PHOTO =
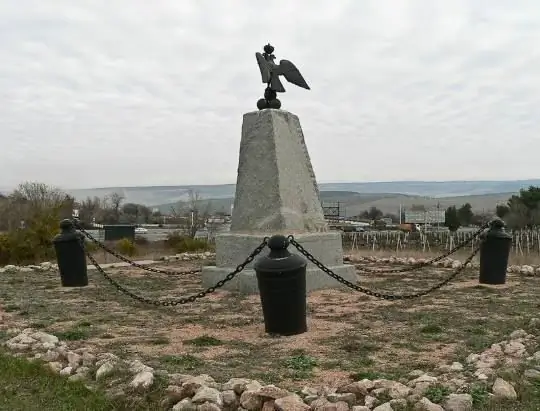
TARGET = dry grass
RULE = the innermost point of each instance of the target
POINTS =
(350, 335)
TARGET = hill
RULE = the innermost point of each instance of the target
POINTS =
(354, 197)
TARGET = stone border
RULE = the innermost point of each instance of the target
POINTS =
(203, 393)
(527, 270)
(48, 266)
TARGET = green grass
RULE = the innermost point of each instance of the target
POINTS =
(30, 386)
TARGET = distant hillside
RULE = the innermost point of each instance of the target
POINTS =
(159, 195)
(354, 203)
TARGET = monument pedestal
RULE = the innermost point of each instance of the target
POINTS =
(233, 248)
(276, 193)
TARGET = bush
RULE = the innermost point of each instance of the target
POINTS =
(126, 247)
(28, 246)
(182, 243)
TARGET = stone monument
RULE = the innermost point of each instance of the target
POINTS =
(276, 193)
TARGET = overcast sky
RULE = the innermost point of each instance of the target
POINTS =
(108, 93)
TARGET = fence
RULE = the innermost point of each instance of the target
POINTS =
(524, 242)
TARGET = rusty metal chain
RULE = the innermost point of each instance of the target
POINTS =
(127, 260)
(418, 266)
(183, 300)
(377, 294)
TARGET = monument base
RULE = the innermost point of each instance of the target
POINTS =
(233, 248)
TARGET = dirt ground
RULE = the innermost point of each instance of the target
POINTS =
(350, 334)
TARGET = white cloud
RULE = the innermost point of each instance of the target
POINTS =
(142, 93)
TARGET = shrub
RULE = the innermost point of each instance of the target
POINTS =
(126, 246)
(182, 243)
(28, 246)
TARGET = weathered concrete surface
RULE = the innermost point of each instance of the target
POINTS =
(233, 248)
(276, 189)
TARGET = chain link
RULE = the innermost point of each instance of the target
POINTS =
(424, 264)
(183, 300)
(127, 260)
(377, 294)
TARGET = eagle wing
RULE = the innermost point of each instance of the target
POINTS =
(291, 73)
(263, 66)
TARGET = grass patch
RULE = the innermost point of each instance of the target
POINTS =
(204, 341)
(31, 387)
(74, 334)
(436, 393)
(300, 364)
(185, 361)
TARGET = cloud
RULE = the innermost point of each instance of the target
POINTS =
(146, 93)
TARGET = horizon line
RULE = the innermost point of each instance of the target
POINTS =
(321, 182)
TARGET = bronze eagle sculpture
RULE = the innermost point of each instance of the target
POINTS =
(270, 73)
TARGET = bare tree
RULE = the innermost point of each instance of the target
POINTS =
(116, 202)
(194, 212)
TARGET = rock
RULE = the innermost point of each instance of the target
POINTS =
(207, 394)
(185, 405)
(88, 360)
(348, 397)
(360, 408)
(458, 402)
(143, 380)
(238, 385)
(309, 391)
(250, 400)
(383, 407)
(335, 406)
(503, 389)
(290, 403)
(44, 337)
(456, 366)
(273, 392)
(56, 366)
(518, 334)
(370, 401)
(359, 388)
(174, 394)
(50, 356)
(192, 385)
(515, 349)
(136, 366)
(230, 400)
(398, 390)
(268, 405)
(104, 370)
(208, 406)
(426, 405)
(66, 371)
(532, 374)
(74, 360)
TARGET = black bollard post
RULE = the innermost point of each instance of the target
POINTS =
(494, 254)
(70, 256)
(281, 277)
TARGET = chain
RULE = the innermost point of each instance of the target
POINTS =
(418, 266)
(183, 300)
(377, 294)
(126, 260)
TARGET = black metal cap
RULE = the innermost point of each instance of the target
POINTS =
(66, 225)
(497, 222)
(278, 242)
(497, 229)
(279, 259)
